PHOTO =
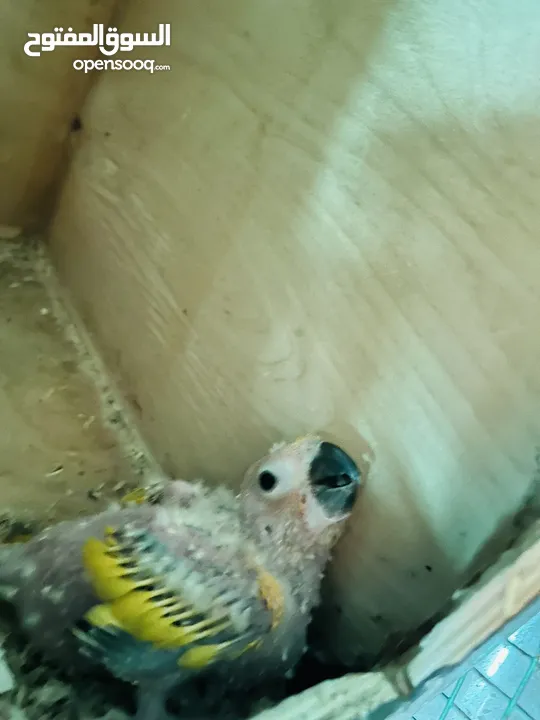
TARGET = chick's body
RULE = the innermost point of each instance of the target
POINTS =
(204, 582)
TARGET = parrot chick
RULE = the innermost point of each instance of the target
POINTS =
(205, 582)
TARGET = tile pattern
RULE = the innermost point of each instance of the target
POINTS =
(504, 684)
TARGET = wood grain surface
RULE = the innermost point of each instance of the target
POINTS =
(325, 216)
(39, 98)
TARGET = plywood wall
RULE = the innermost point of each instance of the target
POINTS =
(39, 97)
(326, 215)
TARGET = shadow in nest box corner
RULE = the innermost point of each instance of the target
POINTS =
(314, 668)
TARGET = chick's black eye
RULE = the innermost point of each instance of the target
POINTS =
(267, 481)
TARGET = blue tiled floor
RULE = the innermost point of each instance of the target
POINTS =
(502, 685)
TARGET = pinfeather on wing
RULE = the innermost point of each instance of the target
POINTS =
(153, 611)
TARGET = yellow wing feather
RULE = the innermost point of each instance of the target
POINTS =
(132, 603)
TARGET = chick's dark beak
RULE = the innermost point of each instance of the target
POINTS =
(335, 479)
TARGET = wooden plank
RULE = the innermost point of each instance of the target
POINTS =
(65, 447)
(325, 216)
(40, 97)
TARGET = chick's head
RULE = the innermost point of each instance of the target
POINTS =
(302, 491)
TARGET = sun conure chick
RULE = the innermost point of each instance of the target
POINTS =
(205, 582)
